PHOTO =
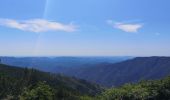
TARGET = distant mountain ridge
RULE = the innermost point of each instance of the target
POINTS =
(101, 70)
(133, 70)
(53, 64)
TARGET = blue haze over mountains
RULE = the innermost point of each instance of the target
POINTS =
(58, 64)
(105, 71)
(129, 71)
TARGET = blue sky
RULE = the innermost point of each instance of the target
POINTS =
(84, 28)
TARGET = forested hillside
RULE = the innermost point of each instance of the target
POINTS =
(145, 90)
(30, 84)
(130, 71)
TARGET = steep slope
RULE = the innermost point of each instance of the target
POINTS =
(140, 68)
(16, 79)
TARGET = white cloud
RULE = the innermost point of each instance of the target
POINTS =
(37, 25)
(127, 27)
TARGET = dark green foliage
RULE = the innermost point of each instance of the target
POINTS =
(30, 84)
(39, 92)
(146, 90)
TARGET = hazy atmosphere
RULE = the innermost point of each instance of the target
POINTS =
(84, 28)
(84, 50)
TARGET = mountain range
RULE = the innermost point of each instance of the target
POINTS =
(53, 64)
(106, 71)
(129, 71)
(140, 78)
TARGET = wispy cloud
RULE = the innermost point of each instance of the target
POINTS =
(37, 25)
(126, 27)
